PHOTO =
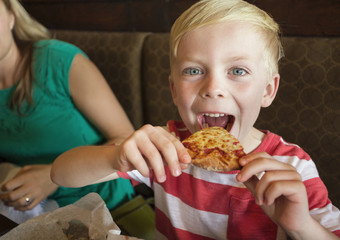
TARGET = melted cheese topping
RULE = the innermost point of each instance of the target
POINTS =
(214, 148)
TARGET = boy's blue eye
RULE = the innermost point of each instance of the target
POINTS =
(192, 71)
(238, 71)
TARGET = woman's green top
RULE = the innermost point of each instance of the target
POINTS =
(53, 124)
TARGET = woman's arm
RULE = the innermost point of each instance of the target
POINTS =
(95, 99)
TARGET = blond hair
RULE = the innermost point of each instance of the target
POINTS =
(207, 12)
(26, 31)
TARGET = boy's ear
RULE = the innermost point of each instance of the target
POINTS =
(270, 90)
(173, 90)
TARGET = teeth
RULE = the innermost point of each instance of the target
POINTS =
(214, 114)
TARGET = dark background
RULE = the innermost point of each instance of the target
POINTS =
(296, 17)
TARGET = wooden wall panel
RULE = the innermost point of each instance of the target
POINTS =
(296, 17)
(304, 17)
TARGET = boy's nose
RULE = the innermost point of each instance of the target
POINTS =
(212, 88)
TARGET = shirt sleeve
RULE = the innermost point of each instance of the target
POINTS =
(320, 206)
(52, 63)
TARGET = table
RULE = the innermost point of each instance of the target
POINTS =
(6, 225)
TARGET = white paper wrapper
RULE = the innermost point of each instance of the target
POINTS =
(88, 218)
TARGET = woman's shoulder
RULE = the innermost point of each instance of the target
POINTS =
(54, 58)
(57, 46)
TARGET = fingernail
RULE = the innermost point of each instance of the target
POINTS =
(177, 172)
(186, 158)
(239, 177)
(243, 161)
(162, 179)
(184, 165)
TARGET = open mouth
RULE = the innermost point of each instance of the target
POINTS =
(216, 119)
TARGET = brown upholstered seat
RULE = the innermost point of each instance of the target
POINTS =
(118, 56)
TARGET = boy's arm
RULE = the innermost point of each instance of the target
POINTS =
(281, 195)
(83, 166)
(148, 147)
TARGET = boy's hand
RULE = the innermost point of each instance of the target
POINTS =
(152, 147)
(280, 192)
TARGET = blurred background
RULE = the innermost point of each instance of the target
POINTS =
(296, 17)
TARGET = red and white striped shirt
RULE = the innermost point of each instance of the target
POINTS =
(201, 204)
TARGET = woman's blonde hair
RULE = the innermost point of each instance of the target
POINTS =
(26, 31)
(207, 12)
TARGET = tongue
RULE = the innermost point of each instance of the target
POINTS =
(216, 121)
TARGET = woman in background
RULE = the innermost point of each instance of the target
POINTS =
(52, 99)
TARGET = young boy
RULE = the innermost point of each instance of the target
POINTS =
(224, 68)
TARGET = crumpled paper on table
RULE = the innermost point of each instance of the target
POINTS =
(88, 218)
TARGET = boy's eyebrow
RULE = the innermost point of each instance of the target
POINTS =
(189, 59)
(198, 59)
(238, 58)
(193, 59)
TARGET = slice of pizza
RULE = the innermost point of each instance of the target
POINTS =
(214, 149)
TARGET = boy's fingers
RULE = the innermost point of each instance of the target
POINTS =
(169, 147)
(135, 158)
(184, 165)
(153, 147)
(253, 156)
(251, 184)
(262, 165)
(142, 152)
(290, 189)
(182, 152)
(184, 156)
(172, 150)
(155, 161)
(270, 178)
